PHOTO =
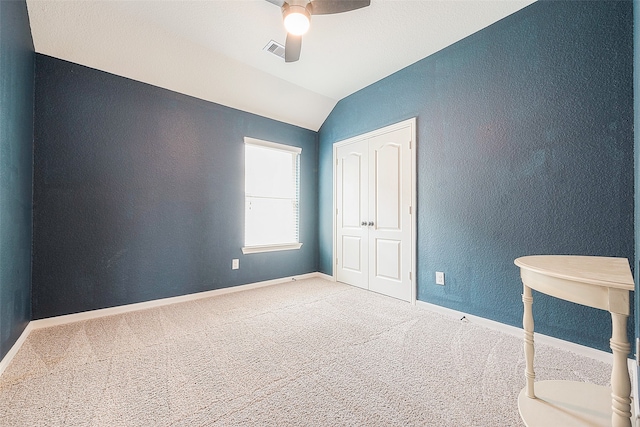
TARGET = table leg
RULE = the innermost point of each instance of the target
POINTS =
(620, 381)
(527, 323)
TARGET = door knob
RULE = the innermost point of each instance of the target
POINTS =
(364, 223)
(370, 223)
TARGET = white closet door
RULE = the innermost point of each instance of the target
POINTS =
(389, 210)
(373, 218)
(352, 206)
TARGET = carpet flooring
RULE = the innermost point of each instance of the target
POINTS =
(304, 353)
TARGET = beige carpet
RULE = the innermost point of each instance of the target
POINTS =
(305, 353)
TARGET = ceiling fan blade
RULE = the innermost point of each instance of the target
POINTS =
(278, 3)
(326, 7)
(292, 48)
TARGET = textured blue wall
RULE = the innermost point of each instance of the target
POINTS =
(16, 153)
(636, 150)
(525, 146)
(139, 193)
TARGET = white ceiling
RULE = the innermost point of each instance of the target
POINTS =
(213, 49)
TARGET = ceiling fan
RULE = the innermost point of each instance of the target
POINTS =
(297, 18)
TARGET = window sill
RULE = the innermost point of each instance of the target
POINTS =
(270, 248)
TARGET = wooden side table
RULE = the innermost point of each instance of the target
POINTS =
(598, 282)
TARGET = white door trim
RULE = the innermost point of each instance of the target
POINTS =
(414, 195)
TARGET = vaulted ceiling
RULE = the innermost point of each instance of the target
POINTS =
(214, 49)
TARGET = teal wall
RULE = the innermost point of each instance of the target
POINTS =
(16, 148)
(636, 150)
(525, 146)
(139, 193)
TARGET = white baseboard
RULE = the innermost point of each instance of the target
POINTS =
(14, 349)
(582, 350)
(501, 327)
(325, 277)
(94, 314)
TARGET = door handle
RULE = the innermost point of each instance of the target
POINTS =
(370, 223)
(364, 223)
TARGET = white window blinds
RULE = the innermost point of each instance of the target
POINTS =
(271, 196)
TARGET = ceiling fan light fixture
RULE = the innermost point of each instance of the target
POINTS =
(297, 19)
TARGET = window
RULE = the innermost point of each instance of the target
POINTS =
(271, 174)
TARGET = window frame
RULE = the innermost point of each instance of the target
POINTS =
(279, 246)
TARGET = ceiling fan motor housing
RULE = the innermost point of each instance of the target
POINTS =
(297, 18)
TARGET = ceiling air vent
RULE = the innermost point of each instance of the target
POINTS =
(276, 48)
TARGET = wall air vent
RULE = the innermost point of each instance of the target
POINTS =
(276, 48)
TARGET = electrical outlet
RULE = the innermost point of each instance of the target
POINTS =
(439, 278)
(235, 264)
